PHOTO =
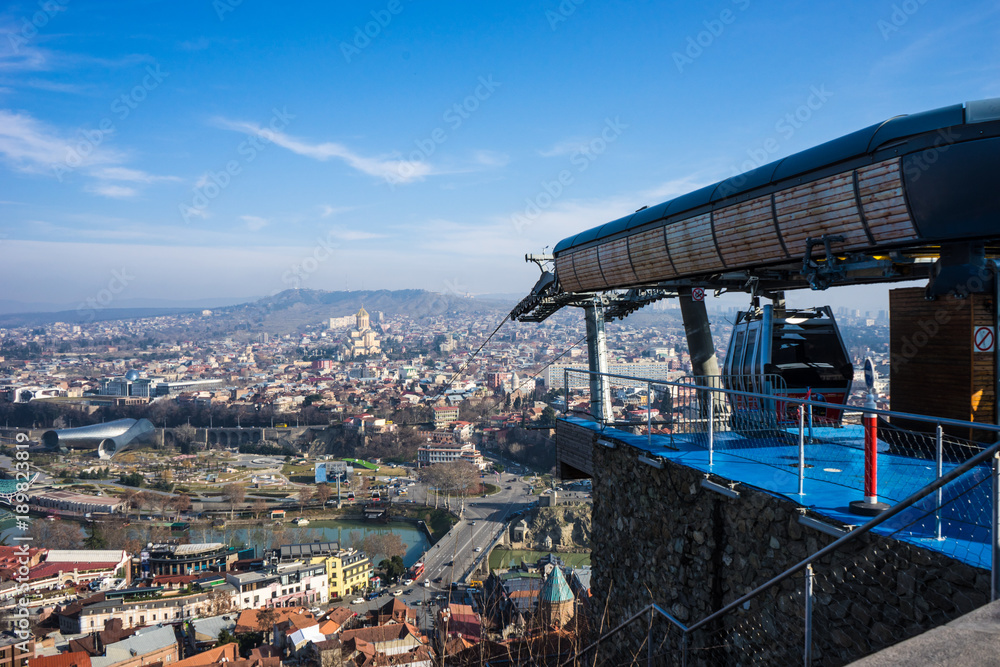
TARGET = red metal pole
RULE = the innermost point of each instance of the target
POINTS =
(870, 506)
(871, 457)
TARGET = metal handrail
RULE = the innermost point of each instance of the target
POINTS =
(860, 530)
(914, 498)
(990, 452)
(944, 421)
(651, 607)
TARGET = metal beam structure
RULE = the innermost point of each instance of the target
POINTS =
(597, 360)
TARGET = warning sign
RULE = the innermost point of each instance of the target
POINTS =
(697, 294)
(984, 339)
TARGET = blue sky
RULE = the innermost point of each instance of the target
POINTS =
(231, 148)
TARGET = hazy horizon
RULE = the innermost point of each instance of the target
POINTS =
(195, 152)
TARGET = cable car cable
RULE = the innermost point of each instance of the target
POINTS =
(473, 355)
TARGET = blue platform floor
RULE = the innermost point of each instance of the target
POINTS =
(834, 477)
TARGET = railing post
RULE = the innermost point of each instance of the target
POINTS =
(566, 391)
(802, 451)
(807, 655)
(939, 493)
(684, 648)
(995, 527)
(649, 640)
(711, 425)
(810, 423)
(649, 414)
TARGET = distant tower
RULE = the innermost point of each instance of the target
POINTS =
(555, 601)
(363, 319)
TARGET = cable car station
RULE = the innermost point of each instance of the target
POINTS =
(911, 199)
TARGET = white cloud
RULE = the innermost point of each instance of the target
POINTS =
(30, 146)
(254, 222)
(112, 191)
(199, 44)
(126, 174)
(565, 147)
(326, 210)
(491, 158)
(354, 235)
(389, 168)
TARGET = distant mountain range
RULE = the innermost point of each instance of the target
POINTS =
(280, 313)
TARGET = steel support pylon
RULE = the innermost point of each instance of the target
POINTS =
(597, 360)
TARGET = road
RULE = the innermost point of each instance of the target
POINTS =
(454, 554)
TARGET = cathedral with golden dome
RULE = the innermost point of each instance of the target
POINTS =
(362, 341)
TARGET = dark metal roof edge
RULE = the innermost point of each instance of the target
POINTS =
(805, 177)
(742, 195)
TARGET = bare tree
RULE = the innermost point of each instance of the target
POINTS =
(131, 499)
(458, 478)
(259, 507)
(180, 504)
(265, 621)
(143, 499)
(56, 534)
(185, 434)
(234, 494)
(387, 544)
(322, 493)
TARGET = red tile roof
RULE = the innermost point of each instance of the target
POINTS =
(46, 570)
(76, 659)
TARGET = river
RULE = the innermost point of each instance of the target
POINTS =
(347, 533)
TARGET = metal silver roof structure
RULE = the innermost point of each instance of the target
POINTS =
(108, 438)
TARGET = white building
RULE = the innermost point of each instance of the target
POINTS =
(432, 454)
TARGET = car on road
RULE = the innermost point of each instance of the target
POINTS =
(397, 592)
(437, 580)
(418, 603)
(426, 584)
(407, 582)
(408, 591)
(478, 549)
(449, 563)
(358, 601)
(473, 523)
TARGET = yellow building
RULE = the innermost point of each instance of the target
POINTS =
(348, 571)
(351, 572)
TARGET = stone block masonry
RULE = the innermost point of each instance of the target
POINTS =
(658, 536)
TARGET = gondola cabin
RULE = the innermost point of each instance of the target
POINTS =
(802, 348)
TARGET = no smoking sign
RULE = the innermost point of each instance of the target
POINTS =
(984, 339)
(697, 294)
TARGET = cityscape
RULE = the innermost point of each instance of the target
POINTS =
(549, 333)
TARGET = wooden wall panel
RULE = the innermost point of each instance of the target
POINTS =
(746, 233)
(692, 246)
(983, 367)
(935, 368)
(588, 269)
(567, 276)
(574, 450)
(826, 206)
(881, 189)
(649, 255)
(615, 262)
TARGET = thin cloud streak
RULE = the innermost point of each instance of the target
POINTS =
(396, 170)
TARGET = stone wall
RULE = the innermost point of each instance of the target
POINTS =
(658, 536)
